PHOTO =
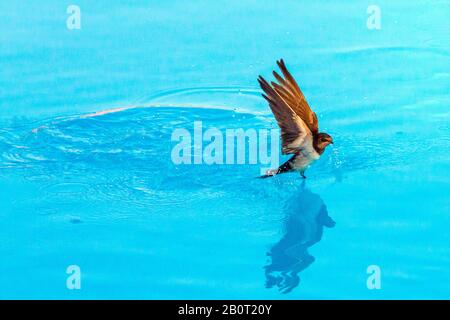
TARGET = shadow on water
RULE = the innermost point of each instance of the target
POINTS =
(305, 217)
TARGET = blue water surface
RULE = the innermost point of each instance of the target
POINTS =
(100, 190)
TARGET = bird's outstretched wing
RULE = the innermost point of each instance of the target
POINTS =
(288, 89)
(295, 134)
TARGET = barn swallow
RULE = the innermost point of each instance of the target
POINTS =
(299, 126)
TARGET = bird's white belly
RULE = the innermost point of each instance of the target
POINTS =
(304, 159)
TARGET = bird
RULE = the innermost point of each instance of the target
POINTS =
(299, 126)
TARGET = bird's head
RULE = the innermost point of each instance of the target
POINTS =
(323, 140)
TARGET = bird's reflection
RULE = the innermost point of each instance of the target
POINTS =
(306, 216)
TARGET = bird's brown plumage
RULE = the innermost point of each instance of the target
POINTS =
(298, 123)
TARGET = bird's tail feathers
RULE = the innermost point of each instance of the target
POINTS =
(270, 173)
(285, 167)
